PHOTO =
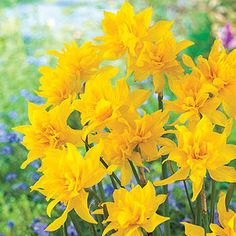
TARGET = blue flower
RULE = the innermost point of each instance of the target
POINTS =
(12, 114)
(7, 150)
(10, 224)
(10, 176)
(108, 190)
(20, 186)
(35, 164)
(39, 228)
(71, 231)
(35, 176)
(13, 137)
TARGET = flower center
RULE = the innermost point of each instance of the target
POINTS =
(103, 109)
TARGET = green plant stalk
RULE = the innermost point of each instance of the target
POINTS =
(101, 190)
(198, 211)
(189, 200)
(204, 210)
(164, 176)
(213, 199)
(74, 218)
(165, 204)
(65, 229)
(229, 194)
(135, 173)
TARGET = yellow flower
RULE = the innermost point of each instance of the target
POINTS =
(48, 130)
(66, 175)
(227, 220)
(195, 98)
(102, 104)
(137, 141)
(200, 150)
(126, 31)
(219, 70)
(131, 211)
(75, 66)
(157, 59)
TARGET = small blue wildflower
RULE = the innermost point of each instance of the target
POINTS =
(10, 176)
(20, 186)
(39, 228)
(12, 114)
(7, 150)
(108, 190)
(13, 137)
(38, 197)
(10, 224)
(35, 164)
(71, 231)
(35, 176)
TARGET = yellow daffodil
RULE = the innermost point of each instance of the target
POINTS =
(75, 66)
(66, 175)
(126, 31)
(195, 98)
(48, 130)
(138, 141)
(133, 210)
(157, 59)
(102, 104)
(200, 150)
(227, 219)
(219, 70)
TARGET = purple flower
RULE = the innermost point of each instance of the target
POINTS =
(71, 230)
(12, 137)
(20, 186)
(35, 176)
(10, 176)
(35, 164)
(10, 224)
(39, 228)
(7, 150)
(227, 36)
(108, 190)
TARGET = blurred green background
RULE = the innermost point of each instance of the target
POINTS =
(28, 29)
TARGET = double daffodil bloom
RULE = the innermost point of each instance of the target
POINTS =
(219, 70)
(102, 104)
(133, 210)
(125, 31)
(138, 141)
(200, 150)
(48, 129)
(75, 66)
(195, 98)
(227, 219)
(66, 175)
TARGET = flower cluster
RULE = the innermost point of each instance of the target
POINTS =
(117, 140)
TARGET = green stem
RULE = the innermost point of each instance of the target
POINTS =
(91, 190)
(74, 218)
(198, 211)
(204, 210)
(65, 229)
(213, 199)
(113, 175)
(93, 230)
(101, 190)
(165, 204)
(135, 172)
(229, 194)
(189, 200)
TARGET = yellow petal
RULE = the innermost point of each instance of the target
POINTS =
(193, 230)
(80, 205)
(223, 174)
(56, 224)
(188, 61)
(181, 174)
(153, 222)
(50, 206)
(126, 173)
(158, 82)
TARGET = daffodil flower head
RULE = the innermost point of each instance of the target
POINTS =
(131, 211)
(66, 176)
(199, 150)
(48, 129)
